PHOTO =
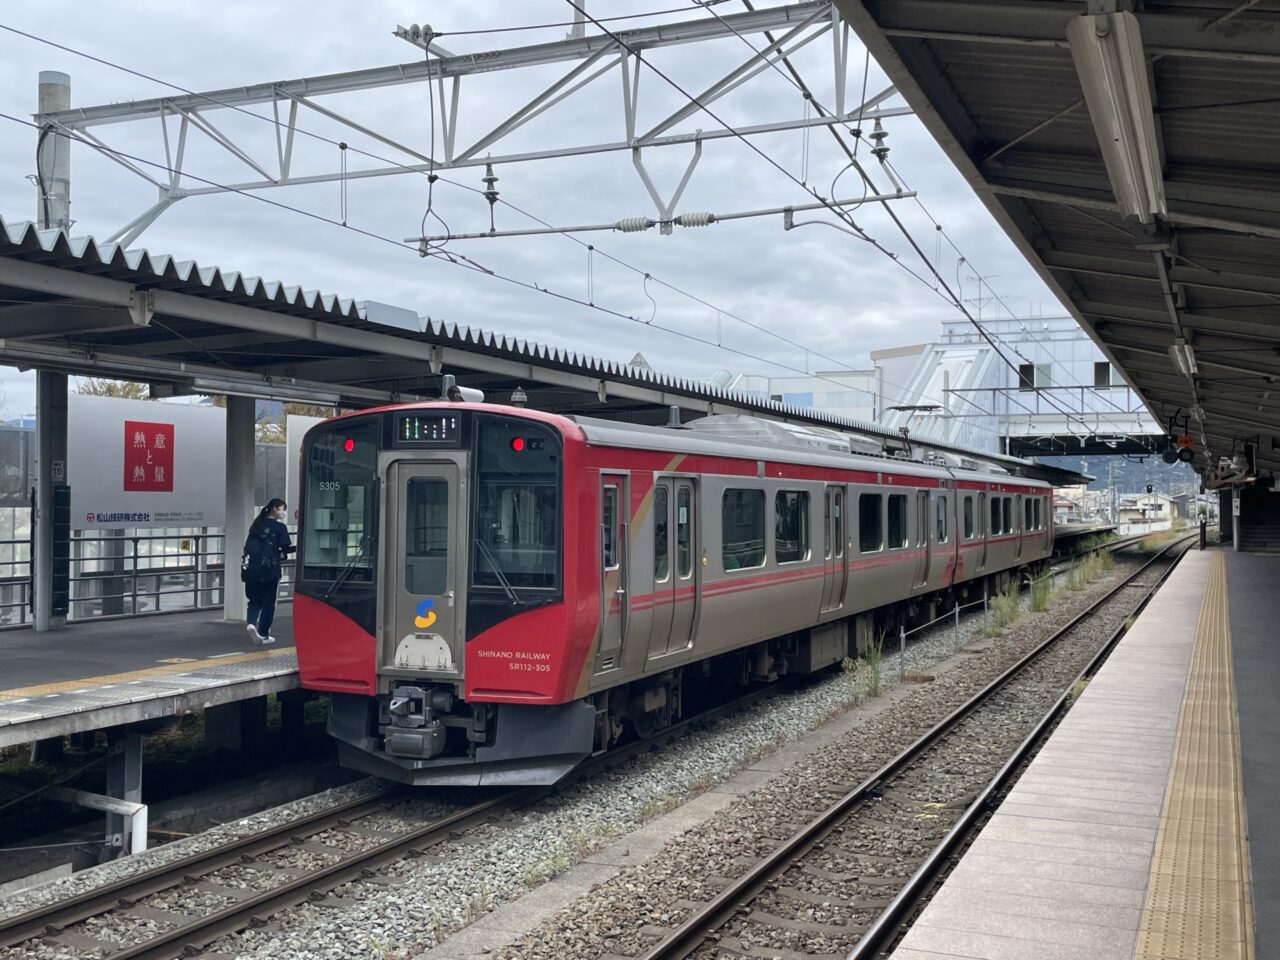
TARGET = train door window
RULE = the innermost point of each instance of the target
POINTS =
(1039, 515)
(897, 520)
(995, 516)
(610, 524)
(968, 518)
(1008, 514)
(826, 525)
(791, 526)
(870, 527)
(837, 508)
(684, 533)
(427, 537)
(661, 524)
(742, 529)
(1028, 513)
(940, 508)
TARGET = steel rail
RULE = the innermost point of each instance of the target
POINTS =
(690, 935)
(101, 899)
(885, 928)
(55, 917)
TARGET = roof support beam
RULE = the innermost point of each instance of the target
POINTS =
(1095, 200)
(560, 51)
(1045, 25)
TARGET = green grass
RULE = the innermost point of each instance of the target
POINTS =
(1005, 609)
(1041, 594)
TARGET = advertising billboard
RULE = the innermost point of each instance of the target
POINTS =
(142, 463)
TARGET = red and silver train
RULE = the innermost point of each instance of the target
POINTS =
(490, 594)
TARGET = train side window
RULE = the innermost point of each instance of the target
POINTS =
(897, 520)
(1008, 514)
(870, 529)
(995, 516)
(661, 524)
(1038, 514)
(968, 518)
(742, 529)
(941, 510)
(610, 524)
(684, 533)
(791, 526)
(1028, 513)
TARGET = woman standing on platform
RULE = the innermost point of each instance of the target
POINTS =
(265, 549)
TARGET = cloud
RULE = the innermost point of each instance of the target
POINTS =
(814, 285)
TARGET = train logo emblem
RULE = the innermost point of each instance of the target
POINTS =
(424, 616)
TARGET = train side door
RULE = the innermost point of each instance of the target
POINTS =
(685, 571)
(982, 522)
(1019, 526)
(426, 528)
(835, 539)
(664, 576)
(615, 601)
(922, 537)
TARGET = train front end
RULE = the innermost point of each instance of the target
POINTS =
(434, 603)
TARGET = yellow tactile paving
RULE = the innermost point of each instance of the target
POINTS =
(1199, 903)
(25, 693)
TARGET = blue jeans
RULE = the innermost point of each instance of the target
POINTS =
(262, 604)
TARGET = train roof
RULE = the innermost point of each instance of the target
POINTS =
(731, 435)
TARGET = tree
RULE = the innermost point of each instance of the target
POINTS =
(103, 387)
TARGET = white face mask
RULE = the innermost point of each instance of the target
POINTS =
(279, 513)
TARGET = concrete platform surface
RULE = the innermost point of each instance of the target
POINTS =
(96, 675)
(1124, 839)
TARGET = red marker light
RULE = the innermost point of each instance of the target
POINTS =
(348, 445)
(517, 444)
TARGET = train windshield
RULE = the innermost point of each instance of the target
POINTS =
(517, 505)
(340, 521)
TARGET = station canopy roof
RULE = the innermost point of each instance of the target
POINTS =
(1186, 304)
(73, 305)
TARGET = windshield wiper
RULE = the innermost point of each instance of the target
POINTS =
(502, 578)
(365, 543)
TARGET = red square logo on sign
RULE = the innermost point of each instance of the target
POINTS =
(148, 457)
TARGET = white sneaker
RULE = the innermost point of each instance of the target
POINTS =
(254, 635)
(266, 640)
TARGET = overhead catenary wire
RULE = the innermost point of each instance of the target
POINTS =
(951, 297)
(453, 258)
(458, 259)
(570, 23)
(431, 177)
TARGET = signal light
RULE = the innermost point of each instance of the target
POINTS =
(348, 445)
(517, 444)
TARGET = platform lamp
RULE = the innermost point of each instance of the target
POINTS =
(1111, 64)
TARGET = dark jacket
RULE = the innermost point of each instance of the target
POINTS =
(266, 547)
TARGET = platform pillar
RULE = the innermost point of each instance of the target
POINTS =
(292, 720)
(53, 155)
(239, 726)
(241, 460)
(50, 571)
(124, 779)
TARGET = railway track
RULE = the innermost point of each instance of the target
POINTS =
(183, 907)
(844, 884)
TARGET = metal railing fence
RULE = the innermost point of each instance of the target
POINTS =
(126, 575)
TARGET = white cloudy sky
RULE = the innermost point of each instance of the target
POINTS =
(815, 285)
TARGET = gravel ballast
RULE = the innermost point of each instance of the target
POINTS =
(418, 901)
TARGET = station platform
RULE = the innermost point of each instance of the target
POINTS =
(1145, 827)
(91, 676)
